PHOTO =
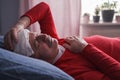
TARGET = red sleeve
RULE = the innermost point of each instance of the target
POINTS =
(42, 14)
(104, 62)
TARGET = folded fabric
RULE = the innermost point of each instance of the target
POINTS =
(23, 46)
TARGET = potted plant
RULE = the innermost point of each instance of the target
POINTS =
(96, 17)
(117, 17)
(108, 10)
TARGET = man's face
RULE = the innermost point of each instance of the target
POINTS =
(43, 45)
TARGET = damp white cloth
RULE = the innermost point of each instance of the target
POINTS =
(23, 46)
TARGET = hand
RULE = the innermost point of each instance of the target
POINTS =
(11, 37)
(75, 44)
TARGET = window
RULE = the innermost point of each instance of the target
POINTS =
(88, 6)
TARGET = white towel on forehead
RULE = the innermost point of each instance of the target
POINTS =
(23, 46)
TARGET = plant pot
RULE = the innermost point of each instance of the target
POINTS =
(86, 19)
(117, 18)
(96, 19)
(107, 15)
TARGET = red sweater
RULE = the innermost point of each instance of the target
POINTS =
(98, 61)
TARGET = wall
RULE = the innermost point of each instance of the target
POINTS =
(8, 14)
(0, 16)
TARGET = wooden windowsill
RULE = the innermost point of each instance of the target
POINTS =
(101, 24)
(110, 29)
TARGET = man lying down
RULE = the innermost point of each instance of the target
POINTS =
(37, 45)
(91, 58)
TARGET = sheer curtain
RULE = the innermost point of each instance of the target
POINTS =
(66, 15)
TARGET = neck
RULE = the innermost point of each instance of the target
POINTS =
(51, 59)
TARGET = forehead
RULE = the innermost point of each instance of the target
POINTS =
(33, 34)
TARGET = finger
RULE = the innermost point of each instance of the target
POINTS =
(15, 36)
(8, 41)
(68, 40)
(11, 47)
(66, 46)
(76, 37)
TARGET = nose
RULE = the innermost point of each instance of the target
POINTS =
(42, 37)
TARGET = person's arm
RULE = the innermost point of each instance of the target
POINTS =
(42, 13)
(100, 59)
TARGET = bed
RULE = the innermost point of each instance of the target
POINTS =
(17, 67)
